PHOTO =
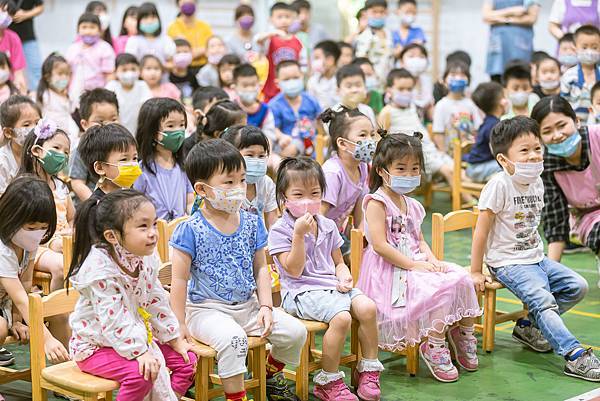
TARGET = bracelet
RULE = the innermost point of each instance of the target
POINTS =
(267, 306)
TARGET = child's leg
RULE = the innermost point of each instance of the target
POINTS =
(52, 262)
(182, 372)
(60, 329)
(334, 340)
(3, 329)
(567, 286)
(365, 311)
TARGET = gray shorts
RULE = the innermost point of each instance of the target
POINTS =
(319, 305)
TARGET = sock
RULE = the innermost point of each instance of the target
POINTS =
(436, 342)
(273, 366)
(369, 365)
(523, 322)
(576, 353)
(241, 396)
(466, 331)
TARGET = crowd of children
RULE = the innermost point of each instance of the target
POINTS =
(166, 123)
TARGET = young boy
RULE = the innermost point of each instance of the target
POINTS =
(408, 33)
(322, 83)
(548, 77)
(507, 239)
(489, 97)
(567, 53)
(96, 107)
(208, 75)
(182, 75)
(282, 45)
(577, 81)
(295, 112)
(374, 96)
(517, 85)
(352, 90)
(375, 42)
(594, 117)
(221, 288)
(130, 90)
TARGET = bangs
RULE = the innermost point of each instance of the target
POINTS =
(250, 137)
(231, 162)
(308, 178)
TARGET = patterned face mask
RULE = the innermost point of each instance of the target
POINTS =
(364, 150)
(127, 259)
(227, 200)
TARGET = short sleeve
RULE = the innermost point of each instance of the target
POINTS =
(9, 266)
(276, 111)
(107, 60)
(270, 201)
(184, 239)
(261, 234)
(338, 241)
(557, 12)
(77, 168)
(189, 189)
(493, 196)
(439, 125)
(280, 239)
(141, 184)
(132, 46)
(333, 187)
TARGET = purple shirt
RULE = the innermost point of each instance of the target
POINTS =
(319, 269)
(167, 189)
(341, 192)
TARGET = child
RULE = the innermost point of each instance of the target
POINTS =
(152, 73)
(11, 44)
(416, 294)
(352, 90)
(241, 41)
(92, 60)
(322, 84)
(122, 306)
(567, 53)
(131, 92)
(408, 33)
(295, 112)
(507, 239)
(96, 107)
(548, 76)
(260, 191)
(160, 134)
(205, 97)
(194, 30)
(317, 284)
(282, 46)
(53, 96)
(128, 29)
(489, 97)
(7, 88)
(455, 116)
(100, 9)
(346, 54)
(374, 96)
(150, 40)
(182, 76)
(45, 155)
(594, 117)
(375, 42)
(223, 315)
(577, 81)
(414, 58)
(18, 115)
(536, 57)
(516, 80)
(225, 68)
(209, 73)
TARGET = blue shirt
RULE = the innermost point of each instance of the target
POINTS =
(257, 119)
(481, 152)
(286, 119)
(222, 265)
(415, 34)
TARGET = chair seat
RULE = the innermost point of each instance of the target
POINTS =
(494, 285)
(42, 275)
(67, 375)
(204, 351)
(312, 326)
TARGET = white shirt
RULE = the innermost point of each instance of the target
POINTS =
(8, 167)
(161, 47)
(514, 238)
(456, 117)
(323, 89)
(264, 200)
(130, 102)
(59, 108)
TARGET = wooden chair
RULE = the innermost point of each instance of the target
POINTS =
(460, 187)
(463, 220)
(357, 243)
(42, 279)
(320, 145)
(64, 378)
(165, 231)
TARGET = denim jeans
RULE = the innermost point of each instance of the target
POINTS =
(34, 63)
(549, 289)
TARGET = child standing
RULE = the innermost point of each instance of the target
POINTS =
(322, 84)
(7, 88)
(123, 328)
(375, 42)
(417, 295)
(11, 45)
(317, 284)
(408, 32)
(159, 136)
(516, 80)
(506, 238)
(152, 73)
(209, 73)
(128, 29)
(225, 245)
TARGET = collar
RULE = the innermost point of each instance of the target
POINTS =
(581, 78)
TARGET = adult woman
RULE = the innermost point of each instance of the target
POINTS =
(192, 29)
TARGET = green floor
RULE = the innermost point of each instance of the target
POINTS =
(510, 373)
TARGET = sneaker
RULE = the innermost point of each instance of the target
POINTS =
(571, 248)
(65, 397)
(6, 357)
(278, 389)
(368, 386)
(586, 367)
(464, 349)
(532, 337)
(439, 363)
(334, 391)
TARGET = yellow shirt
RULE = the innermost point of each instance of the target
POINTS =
(197, 35)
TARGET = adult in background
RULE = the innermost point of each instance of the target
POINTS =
(511, 32)
(568, 15)
(190, 28)
(23, 26)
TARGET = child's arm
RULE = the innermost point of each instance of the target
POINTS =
(424, 247)
(358, 214)
(345, 281)
(293, 261)
(20, 81)
(20, 330)
(82, 191)
(261, 38)
(263, 291)
(270, 219)
(383, 120)
(180, 275)
(482, 230)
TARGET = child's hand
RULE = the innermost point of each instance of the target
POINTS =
(284, 140)
(479, 280)
(423, 266)
(345, 284)
(149, 366)
(20, 332)
(265, 320)
(440, 266)
(304, 224)
(185, 333)
(55, 351)
(182, 347)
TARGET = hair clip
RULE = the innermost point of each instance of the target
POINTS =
(382, 132)
(418, 135)
(45, 128)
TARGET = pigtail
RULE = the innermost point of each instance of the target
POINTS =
(84, 230)
(418, 135)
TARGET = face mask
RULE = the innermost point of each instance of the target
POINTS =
(214, 58)
(568, 60)
(317, 66)
(255, 169)
(415, 65)
(53, 162)
(28, 240)
(227, 200)
(457, 85)
(89, 39)
(352, 100)
(518, 99)
(376, 23)
(549, 85)
(60, 84)
(588, 57)
(149, 27)
(526, 173)
(295, 27)
(20, 135)
(182, 60)
(5, 20)
(364, 150)
(133, 263)
(128, 78)
(407, 19)
(172, 140)
(104, 21)
(4, 76)
(128, 174)
(402, 98)
(248, 97)
(372, 83)
(188, 9)
(403, 185)
(246, 22)
(565, 148)
(292, 87)
(300, 207)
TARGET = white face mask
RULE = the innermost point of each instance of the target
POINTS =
(28, 240)
(526, 173)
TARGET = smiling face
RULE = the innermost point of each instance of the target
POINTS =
(88, 28)
(58, 143)
(556, 127)
(407, 166)
(302, 187)
(526, 148)
(139, 234)
(221, 180)
(359, 129)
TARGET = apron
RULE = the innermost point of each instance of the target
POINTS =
(580, 12)
(582, 189)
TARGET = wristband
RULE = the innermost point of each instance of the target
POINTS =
(267, 306)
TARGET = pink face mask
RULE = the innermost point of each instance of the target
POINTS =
(300, 207)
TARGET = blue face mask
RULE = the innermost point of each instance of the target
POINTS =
(568, 60)
(565, 148)
(255, 169)
(403, 185)
(457, 85)
(149, 27)
(376, 23)
(292, 87)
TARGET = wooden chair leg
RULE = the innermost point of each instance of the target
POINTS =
(302, 370)
(203, 370)
(90, 397)
(108, 396)
(354, 350)
(259, 370)
(480, 303)
(412, 360)
(489, 320)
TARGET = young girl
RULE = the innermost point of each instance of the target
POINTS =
(417, 295)
(317, 284)
(414, 59)
(7, 88)
(123, 328)
(100, 9)
(160, 134)
(347, 171)
(53, 97)
(152, 72)
(128, 29)
(46, 154)
(260, 192)
(215, 50)
(18, 115)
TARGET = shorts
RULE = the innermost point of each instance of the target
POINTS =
(434, 159)
(482, 172)
(319, 305)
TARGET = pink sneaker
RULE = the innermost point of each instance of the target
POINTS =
(368, 386)
(439, 363)
(464, 349)
(334, 391)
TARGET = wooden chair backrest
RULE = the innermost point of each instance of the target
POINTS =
(165, 231)
(453, 221)
(67, 243)
(357, 245)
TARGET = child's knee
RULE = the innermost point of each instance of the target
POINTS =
(543, 301)
(341, 321)
(580, 288)
(365, 309)
(136, 384)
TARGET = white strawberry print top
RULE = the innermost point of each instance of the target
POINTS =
(106, 314)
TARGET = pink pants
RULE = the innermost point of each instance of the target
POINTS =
(107, 363)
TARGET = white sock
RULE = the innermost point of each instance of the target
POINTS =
(369, 365)
(322, 378)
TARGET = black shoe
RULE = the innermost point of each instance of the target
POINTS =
(6, 357)
(571, 248)
(278, 389)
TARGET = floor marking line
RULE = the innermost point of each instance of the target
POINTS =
(573, 311)
(594, 347)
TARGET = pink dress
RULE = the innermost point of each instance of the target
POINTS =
(411, 304)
